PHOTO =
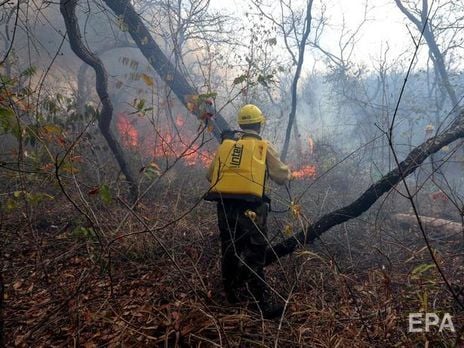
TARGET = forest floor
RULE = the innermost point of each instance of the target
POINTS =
(63, 289)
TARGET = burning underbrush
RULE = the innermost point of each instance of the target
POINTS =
(82, 268)
(151, 276)
(175, 141)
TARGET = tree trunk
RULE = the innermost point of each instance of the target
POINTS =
(157, 59)
(423, 25)
(439, 64)
(413, 161)
(298, 142)
(82, 92)
(294, 91)
(68, 8)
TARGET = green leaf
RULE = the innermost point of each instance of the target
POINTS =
(11, 205)
(239, 79)
(264, 79)
(151, 173)
(7, 119)
(105, 194)
(6, 81)
(121, 24)
(209, 95)
(88, 233)
(29, 72)
(36, 198)
(140, 105)
(422, 268)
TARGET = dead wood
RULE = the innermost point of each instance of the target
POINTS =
(440, 225)
(412, 161)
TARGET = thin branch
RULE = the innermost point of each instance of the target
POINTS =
(13, 36)
(158, 60)
(68, 8)
(413, 161)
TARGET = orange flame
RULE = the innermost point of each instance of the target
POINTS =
(167, 145)
(305, 171)
(164, 145)
(170, 147)
(127, 131)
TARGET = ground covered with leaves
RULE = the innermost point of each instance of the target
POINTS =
(70, 284)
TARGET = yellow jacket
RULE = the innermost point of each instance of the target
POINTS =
(278, 171)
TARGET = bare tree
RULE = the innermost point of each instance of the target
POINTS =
(295, 29)
(8, 39)
(68, 11)
(299, 65)
(158, 60)
(82, 92)
(412, 161)
(9, 46)
(190, 21)
(423, 21)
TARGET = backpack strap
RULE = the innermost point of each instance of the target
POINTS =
(251, 135)
(228, 134)
(237, 134)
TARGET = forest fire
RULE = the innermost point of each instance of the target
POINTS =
(162, 146)
(113, 236)
(128, 133)
(307, 171)
(167, 145)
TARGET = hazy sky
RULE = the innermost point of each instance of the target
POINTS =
(385, 25)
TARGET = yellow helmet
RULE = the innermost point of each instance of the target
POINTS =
(250, 114)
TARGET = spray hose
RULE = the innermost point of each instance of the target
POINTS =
(288, 189)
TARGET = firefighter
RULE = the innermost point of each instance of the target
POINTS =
(238, 176)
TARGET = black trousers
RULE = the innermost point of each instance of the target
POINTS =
(243, 234)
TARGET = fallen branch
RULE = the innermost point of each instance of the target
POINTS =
(441, 225)
(413, 161)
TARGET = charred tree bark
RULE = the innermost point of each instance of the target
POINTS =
(413, 161)
(68, 11)
(434, 51)
(82, 92)
(158, 60)
(294, 92)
